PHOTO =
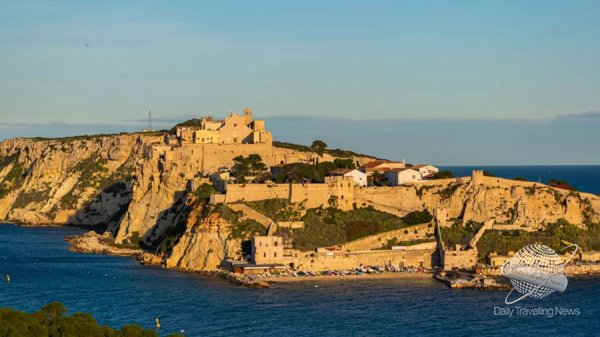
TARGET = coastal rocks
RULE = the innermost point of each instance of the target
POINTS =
(237, 279)
(94, 243)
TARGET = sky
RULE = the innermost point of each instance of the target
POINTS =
(444, 82)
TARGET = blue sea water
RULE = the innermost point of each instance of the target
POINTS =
(119, 291)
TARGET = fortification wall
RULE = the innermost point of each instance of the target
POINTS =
(376, 241)
(407, 258)
(314, 194)
(254, 192)
(460, 258)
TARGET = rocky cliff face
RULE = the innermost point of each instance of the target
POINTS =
(78, 180)
(115, 181)
(522, 205)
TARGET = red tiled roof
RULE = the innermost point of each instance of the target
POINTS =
(419, 166)
(341, 171)
(376, 163)
(564, 187)
(397, 170)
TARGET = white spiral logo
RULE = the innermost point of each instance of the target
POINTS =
(536, 271)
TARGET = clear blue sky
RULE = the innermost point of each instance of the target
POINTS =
(503, 63)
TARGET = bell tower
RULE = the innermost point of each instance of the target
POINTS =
(248, 116)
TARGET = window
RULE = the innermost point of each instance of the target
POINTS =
(260, 244)
(274, 254)
(264, 254)
(275, 243)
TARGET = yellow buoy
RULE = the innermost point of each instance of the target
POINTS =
(7, 278)
(157, 324)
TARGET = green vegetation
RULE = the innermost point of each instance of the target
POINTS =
(424, 188)
(252, 165)
(330, 226)
(448, 191)
(127, 243)
(319, 147)
(204, 191)
(299, 172)
(247, 228)
(519, 179)
(376, 178)
(488, 174)
(14, 177)
(334, 152)
(459, 234)
(558, 182)
(344, 163)
(92, 173)
(189, 123)
(52, 321)
(443, 175)
(276, 209)
(240, 229)
(418, 217)
(555, 236)
(32, 196)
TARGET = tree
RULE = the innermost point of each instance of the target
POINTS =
(319, 147)
(241, 168)
(558, 182)
(519, 179)
(443, 175)
(256, 164)
(245, 166)
(488, 174)
(377, 178)
(344, 163)
(418, 217)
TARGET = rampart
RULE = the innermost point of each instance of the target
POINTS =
(407, 258)
(402, 234)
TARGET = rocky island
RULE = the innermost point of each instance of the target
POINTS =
(221, 197)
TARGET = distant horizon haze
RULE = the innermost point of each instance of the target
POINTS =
(567, 140)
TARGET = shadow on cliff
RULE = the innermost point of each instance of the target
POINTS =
(101, 212)
(172, 223)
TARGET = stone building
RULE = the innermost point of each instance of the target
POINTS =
(380, 166)
(234, 129)
(267, 249)
(360, 178)
(400, 176)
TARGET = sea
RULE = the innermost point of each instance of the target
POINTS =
(119, 291)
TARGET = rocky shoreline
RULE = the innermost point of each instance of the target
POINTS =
(92, 243)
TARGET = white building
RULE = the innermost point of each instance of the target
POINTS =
(426, 170)
(400, 176)
(360, 178)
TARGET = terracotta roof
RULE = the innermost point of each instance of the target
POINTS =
(564, 187)
(419, 166)
(341, 171)
(379, 162)
(398, 170)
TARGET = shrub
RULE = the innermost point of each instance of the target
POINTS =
(418, 217)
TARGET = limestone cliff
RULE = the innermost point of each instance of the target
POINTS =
(78, 180)
(516, 204)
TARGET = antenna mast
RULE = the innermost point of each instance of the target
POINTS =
(150, 120)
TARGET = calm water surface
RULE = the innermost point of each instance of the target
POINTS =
(118, 291)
